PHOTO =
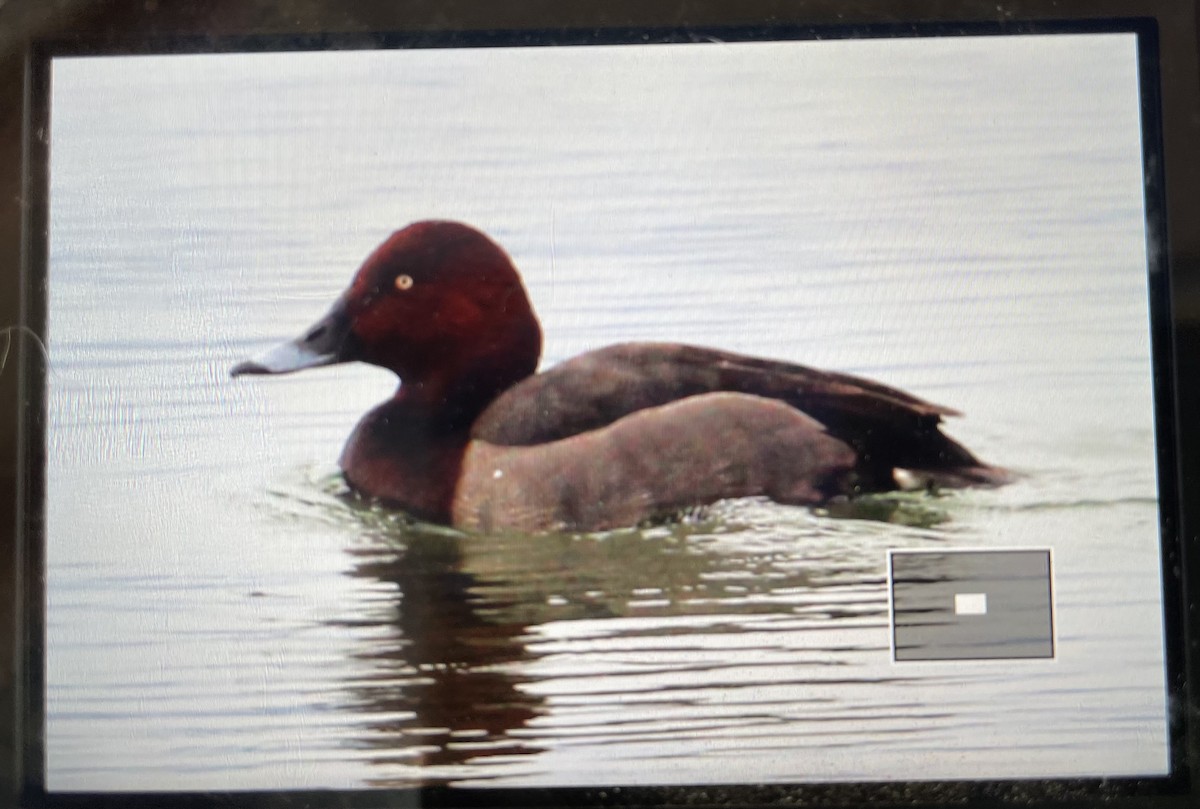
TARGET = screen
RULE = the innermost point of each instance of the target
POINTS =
(961, 218)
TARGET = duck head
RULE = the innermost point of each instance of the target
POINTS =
(439, 304)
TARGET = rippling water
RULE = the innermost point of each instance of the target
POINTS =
(961, 218)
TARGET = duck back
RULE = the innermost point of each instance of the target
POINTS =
(888, 429)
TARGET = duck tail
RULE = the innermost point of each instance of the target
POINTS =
(959, 477)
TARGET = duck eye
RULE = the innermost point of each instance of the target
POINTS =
(404, 282)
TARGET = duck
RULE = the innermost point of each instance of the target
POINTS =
(478, 439)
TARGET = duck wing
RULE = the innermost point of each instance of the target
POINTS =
(653, 462)
(887, 428)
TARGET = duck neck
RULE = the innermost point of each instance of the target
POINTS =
(450, 397)
(407, 453)
(409, 450)
(447, 406)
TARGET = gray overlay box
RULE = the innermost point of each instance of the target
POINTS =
(1013, 587)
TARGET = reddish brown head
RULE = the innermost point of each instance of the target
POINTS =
(438, 303)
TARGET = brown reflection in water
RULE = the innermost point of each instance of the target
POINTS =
(448, 631)
(441, 683)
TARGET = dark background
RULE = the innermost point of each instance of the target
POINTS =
(25, 21)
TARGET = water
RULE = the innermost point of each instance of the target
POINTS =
(959, 218)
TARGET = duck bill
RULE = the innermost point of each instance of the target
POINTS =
(328, 342)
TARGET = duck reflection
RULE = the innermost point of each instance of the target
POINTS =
(442, 687)
(465, 631)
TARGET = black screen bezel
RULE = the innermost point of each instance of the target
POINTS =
(1163, 339)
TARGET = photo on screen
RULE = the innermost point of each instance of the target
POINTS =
(959, 218)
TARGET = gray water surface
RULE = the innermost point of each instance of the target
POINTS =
(961, 218)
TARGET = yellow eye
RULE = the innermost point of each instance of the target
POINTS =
(404, 282)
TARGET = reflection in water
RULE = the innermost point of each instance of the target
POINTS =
(442, 688)
(694, 624)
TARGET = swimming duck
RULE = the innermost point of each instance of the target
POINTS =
(475, 438)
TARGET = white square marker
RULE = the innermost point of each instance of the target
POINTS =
(970, 603)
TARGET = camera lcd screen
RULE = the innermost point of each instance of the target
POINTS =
(961, 218)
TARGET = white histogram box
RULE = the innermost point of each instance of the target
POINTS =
(968, 604)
